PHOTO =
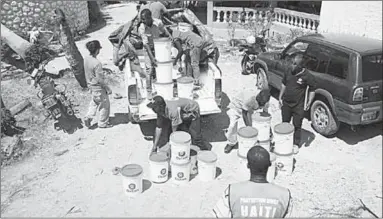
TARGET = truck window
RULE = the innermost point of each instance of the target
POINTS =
(372, 68)
(317, 58)
(338, 65)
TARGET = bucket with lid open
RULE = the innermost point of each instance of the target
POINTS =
(193, 159)
(261, 121)
(162, 48)
(164, 90)
(131, 179)
(283, 138)
(247, 137)
(164, 72)
(207, 164)
(180, 147)
(272, 169)
(185, 86)
(180, 172)
(159, 167)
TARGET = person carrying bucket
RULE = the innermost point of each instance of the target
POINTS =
(243, 105)
(292, 96)
(150, 29)
(255, 198)
(184, 115)
(198, 50)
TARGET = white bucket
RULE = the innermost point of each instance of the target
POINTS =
(185, 86)
(272, 169)
(207, 164)
(193, 159)
(162, 48)
(284, 164)
(164, 90)
(283, 138)
(261, 121)
(247, 138)
(166, 149)
(180, 172)
(180, 147)
(132, 179)
(159, 167)
(265, 144)
(184, 27)
(164, 72)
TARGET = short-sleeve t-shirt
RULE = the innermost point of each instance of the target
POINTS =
(157, 9)
(245, 100)
(177, 110)
(149, 33)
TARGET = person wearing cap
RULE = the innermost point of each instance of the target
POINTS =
(198, 49)
(99, 90)
(295, 83)
(150, 29)
(184, 115)
(243, 105)
(255, 198)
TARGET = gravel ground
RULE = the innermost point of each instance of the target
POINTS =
(329, 178)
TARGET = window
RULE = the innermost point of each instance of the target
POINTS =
(298, 47)
(338, 65)
(372, 68)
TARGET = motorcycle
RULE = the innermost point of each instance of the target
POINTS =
(250, 50)
(57, 105)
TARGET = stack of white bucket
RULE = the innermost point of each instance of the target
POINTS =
(180, 143)
(164, 70)
(284, 148)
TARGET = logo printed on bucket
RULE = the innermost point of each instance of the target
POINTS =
(180, 175)
(163, 171)
(280, 166)
(181, 155)
(132, 186)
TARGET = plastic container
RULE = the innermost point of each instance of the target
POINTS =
(193, 159)
(180, 172)
(162, 48)
(132, 179)
(180, 147)
(272, 169)
(261, 121)
(265, 144)
(284, 164)
(164, 72)
(159, 167)
(283, 138)
(183, 27)
(166, 149)
(185, 86)
(164, 90)
(247, 138)
(207, 164)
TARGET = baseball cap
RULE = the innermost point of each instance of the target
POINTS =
(157, 102)
(258, 157)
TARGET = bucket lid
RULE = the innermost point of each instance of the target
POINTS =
(161, 39)
(159, 157)
(131, 170)
(193, 152)
(207, 156)
(262, 116)
(248, 132)
(181, 165)
(183, 24)
(180, 137)
(163, 83)
(284, 128)
(185, 80)
(273, 157)
(284, 155)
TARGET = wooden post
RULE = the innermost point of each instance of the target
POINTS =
(210, 5)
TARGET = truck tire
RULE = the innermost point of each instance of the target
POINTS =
(322, 119)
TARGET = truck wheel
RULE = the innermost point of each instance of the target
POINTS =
(246, 68)
(323, 119)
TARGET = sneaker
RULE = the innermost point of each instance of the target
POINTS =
(107, 126)
(87, 122)
(229, 148)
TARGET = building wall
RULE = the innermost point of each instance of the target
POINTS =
(362, 18)
(21, 16)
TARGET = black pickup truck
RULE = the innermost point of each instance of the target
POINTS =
(348, 71)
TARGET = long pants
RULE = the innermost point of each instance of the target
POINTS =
(149, 72)
(231, 134)
(193, 127)
(195, 55)
(100, 102)
(297, 113)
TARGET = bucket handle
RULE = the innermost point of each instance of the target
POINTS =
(116, 170)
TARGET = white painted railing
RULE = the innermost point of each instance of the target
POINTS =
(292, 19)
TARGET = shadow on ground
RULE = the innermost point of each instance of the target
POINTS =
(361, 134)
(307, 138)
(119, 118)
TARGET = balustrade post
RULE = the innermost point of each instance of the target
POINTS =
(210, 12)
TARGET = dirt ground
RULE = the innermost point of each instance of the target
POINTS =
(330, 177)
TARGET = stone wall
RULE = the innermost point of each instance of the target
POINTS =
(21, 16)
(362, 18)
